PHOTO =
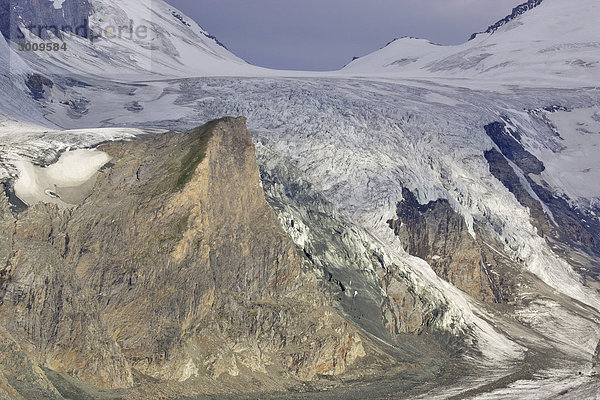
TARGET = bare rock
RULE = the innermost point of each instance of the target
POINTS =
(439, 235)
(174, 269)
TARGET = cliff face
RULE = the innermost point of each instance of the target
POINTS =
(552, 215)
(174, 268)
(40, 16)
(440, 236)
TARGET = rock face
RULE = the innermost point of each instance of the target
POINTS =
(31, 382)
(37, 85)
(559, 220)
(174, 268)
(517, 11)
(440, 236)
(508, 141)
(42, 15)
(501, 169)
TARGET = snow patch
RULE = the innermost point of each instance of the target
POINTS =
(57, 4)
(73, 169)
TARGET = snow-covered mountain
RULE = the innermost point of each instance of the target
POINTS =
(436, 191)
(555, 43)
(135, 39)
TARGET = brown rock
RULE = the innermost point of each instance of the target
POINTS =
(173, 268)
(439, 235)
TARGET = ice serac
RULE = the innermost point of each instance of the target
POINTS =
(173, 268)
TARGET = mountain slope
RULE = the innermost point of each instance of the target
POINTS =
(14, 102)
(133, 39)
(555, 43)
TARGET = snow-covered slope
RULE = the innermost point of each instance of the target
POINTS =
(9, 60)
(133, 39)
(555, 43)
(15, 104)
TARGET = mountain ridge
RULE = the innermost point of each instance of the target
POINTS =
(549, 43)
(516, 12)
(127, 39)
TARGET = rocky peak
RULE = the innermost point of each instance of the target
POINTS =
(173, 269)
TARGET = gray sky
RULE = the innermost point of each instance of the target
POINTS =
(326, 34)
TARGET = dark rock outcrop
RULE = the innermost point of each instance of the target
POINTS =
(439, 235)
(501, 169)
(508, 143)
(517, 11)
(41, 16)
(37, 85)
(564, 222)
(572, 225)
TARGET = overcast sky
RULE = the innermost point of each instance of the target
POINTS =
(326, 34)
